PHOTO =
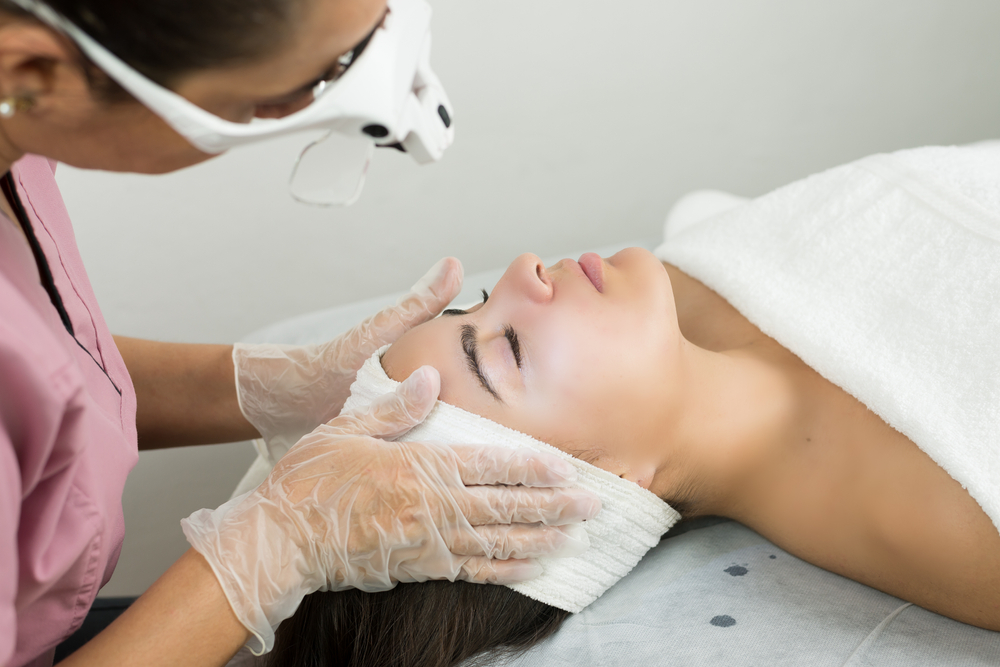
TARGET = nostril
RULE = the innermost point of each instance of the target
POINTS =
(538, 271)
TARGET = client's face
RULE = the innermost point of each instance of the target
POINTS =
(578, 356)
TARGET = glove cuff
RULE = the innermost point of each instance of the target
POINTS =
(260, 572)
(201, 530)
(281, 391)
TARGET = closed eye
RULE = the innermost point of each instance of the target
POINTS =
(470, 346)
(515, 345)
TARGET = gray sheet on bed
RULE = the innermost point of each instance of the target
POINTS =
(723, 595)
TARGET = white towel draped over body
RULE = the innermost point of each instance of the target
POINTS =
(884, 276)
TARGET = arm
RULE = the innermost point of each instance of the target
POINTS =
(185, 394)
(342, 510)
(862, 500)
(183, 619)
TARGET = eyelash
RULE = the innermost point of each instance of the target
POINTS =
(472, 359)
(456, 311)
(515, 344)
(509, 334)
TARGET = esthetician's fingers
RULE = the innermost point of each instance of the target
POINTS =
(485, 505)
(426, 299)
(481, 570)
(391, 415)
(429, 295)
(519, 541)
(502, 465)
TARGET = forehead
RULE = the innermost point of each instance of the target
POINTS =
(420, 346)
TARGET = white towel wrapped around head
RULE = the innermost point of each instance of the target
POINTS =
(630, 523)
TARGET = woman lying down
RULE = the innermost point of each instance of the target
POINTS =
(876, 281)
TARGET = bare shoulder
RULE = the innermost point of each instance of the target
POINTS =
(851, 494)
(858, 498)
(930, 542)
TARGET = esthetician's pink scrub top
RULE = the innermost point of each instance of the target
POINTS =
(67, 432)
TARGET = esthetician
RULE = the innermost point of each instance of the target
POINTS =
(155, 86)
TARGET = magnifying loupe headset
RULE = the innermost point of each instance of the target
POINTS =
(383, 94)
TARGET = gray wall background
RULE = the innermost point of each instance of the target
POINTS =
(578, 124)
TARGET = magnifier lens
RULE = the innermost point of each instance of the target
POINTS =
(331, 171)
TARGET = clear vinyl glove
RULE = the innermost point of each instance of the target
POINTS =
(345, 509)
(286, 391)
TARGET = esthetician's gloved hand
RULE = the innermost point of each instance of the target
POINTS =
(286, 391)
(345, 509)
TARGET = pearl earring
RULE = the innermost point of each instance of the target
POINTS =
(11, 105)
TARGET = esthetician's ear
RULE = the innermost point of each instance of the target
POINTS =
(38, 64)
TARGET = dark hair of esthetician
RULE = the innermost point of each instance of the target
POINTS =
(165, 40)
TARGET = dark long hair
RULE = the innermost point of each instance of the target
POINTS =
(434, 624)
(165, 39)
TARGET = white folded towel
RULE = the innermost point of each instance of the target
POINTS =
(631, 520)
(884, 276)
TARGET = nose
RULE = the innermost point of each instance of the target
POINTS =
(527, 276)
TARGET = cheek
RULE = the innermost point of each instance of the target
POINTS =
(235, 112)
(571, 394)
(596, 388)
(587, 361)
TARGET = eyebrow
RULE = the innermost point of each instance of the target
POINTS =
(470, 345)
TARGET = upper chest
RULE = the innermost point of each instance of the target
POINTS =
(842, 476)
(835, 441)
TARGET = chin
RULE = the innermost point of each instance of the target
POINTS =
(142, 163)
(165, 165)
(639, 260)
(649, 287)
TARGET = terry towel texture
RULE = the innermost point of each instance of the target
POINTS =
(630, 523)
(884, 276)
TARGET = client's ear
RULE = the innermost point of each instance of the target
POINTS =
(641, 475)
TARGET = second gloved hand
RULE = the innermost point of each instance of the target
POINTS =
(286, 391)
(345, 509)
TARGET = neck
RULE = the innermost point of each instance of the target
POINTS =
(5, 207)
(9, 152)
(737, 408)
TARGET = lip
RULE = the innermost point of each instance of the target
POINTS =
(593, 268)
